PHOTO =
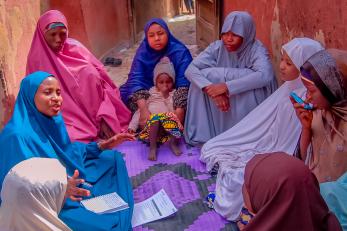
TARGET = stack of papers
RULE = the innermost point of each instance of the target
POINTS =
(107, 203)
(154, 208)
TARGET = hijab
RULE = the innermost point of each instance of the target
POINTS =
(30, 133)
(33, 195)
(141, 73)
(242, 24)
(89, 94)
(284, 195)
(328, 156)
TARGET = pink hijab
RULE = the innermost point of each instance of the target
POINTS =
(89, 94)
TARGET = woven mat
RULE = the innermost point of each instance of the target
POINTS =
(185, 180)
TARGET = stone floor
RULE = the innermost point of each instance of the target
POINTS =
(182, 27)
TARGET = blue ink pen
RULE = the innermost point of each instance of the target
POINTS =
(85, 184)
(300, 101)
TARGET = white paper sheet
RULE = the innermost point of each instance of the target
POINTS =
(154, 208)
(107, 203)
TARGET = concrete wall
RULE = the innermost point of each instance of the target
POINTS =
(278, 21)
(99, 25)
(147, 9)
(17, 24)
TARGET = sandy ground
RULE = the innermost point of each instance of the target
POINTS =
(182, 27)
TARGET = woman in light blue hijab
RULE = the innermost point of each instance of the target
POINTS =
(229, 79)
(38, 130)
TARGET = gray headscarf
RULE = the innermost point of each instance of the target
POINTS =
(322, 69)
(242, 24)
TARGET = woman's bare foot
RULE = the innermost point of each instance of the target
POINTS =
(152, 154)
(175, 147)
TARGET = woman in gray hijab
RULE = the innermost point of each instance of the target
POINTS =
(229, 79)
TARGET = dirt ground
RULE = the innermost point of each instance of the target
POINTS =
(182, 27)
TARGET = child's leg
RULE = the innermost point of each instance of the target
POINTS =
(153, 135)
(175, 146)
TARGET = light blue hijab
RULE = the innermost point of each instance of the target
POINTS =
(30, 133)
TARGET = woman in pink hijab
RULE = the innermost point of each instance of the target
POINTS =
(92, 107)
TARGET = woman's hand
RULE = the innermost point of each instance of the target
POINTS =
(216, 89)
(222, 102)
(305, 116)
(144, 116)
(115, 140)
(105, 130)
(144, 112)
(73, 191)
(180, 113)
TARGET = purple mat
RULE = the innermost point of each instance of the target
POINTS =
(184, 179)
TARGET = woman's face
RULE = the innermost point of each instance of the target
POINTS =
(314, 95)
(55, 38)
(48, 97)
(288, 70)
(231, 41)
(157, 37)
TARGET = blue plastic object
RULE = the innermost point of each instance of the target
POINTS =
(306, 106)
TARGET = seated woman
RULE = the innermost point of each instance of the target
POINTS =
(37, 129)
(92, 106)
(281, 193)
(323, 142)
(270, 127)
(229, 79)
(158, 42)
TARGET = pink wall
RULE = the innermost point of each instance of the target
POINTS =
(17, 24)
(99, 25)
(279, 21)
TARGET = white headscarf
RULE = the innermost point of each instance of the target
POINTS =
(301, 49)
(32, 196)
(270, 127)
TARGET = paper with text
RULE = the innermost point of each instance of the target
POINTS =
(154, 208)
(107, 203)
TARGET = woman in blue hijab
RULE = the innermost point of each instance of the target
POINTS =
(158, 42)
(37, 129)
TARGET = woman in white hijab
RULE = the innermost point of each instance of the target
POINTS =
(271, 127)
(33, 194)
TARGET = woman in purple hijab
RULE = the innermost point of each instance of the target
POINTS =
(158, 42)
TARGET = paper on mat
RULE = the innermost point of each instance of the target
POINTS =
(154, 208)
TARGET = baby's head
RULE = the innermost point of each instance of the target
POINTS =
(164, 75)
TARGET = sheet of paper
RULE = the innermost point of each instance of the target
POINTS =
(154, 208)
(107, 203)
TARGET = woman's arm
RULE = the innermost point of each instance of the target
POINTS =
(115, 140)
(205, 59)
(181, 64)
(137, 101)
(305, 117)
(305, 140)
(180, 97)
(259, 75)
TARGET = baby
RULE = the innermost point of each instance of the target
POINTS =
(163, 124)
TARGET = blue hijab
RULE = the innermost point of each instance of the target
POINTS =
(141, 73)
(30, 133)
